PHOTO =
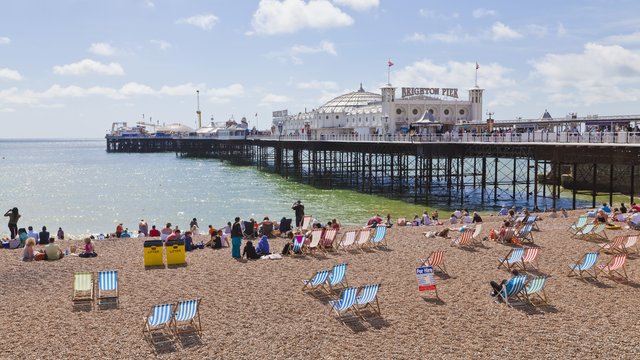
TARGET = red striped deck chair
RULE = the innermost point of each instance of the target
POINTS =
(316, 236)
(328, 239)
(306, 221)
(530, 257)
(363, 239)
(507, 236)
(436, 260)
(614, 246)
(631, 244)
(464, 240)
(348, 240)
(615, 266)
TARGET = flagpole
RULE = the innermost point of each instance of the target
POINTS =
(476, 74)
(388, 74)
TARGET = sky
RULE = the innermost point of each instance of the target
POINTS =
(69, 68)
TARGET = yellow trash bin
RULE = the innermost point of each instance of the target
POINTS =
(176, 252)
(153, 253)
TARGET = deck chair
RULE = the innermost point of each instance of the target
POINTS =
(186, 318)
(614, 246)
(337, 277)
(368, 298)
(513, 289)
(306, 221)
(348, 239)
(82, 288)
(346, 301)
(534, 291)
(328, 239)
(316, 236)
(249, 231)
(630, 244)
(379, 237)
(464, 240)
(525, 234)
(532, 221)
(530, 256)
(363, 239)
(579, 224)
(507, 236)
(108, 287)
(435, 260)
(476, 234)
(316, 281)
(513, 257)
(158, 320)
(297, 246)
(586, 263)
(598, 233)
(614, 267)
(267, 229)
(583, 231)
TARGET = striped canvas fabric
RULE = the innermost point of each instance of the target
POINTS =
(108, 280)
(161, 315)
(187, 310)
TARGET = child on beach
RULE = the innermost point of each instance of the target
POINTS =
(249, 251)
(28, 254)
(89, 250)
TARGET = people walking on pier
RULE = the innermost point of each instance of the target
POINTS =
(298, 208)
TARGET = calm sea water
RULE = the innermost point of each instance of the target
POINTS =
(78, 186)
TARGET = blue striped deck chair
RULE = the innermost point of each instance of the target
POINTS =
(512, 290)
(525, 234)
(346, 301)
(532, 220)
(368, 298)
(158, 320)
(513, 257)
(518, 219)
(185, 316)
(583, 231)
(297, 247)
(579, 224)
(337, 277)
(108, 287)
(379, 237)
(587, 262)
(317, 281)
(534, 291)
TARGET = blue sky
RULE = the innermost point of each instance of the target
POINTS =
(70, 68)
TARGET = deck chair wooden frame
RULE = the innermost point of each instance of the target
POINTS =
(108, 288)
(435, 260)
(158, 320)
(83, 288)
(186, 317)
(379, 238)
(585, 265)
(513, 290)
(530, 257)
(345, 302)
(348, 240)
(631, 244)
(534, 291)
(615, 266)
(514, 256)
(362, 241)
(583, 231)
(368, 298)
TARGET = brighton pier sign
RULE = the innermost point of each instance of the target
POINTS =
(409, 91)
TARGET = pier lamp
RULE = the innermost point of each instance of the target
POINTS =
(279, 130)
(307, 128)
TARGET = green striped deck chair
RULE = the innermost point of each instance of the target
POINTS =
(82, 288)
(534, 291)
(579, 224)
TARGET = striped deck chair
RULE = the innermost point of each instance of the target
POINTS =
(530, 256)
(531, 220)
(368, 298)
(348, 239)
(614, 246)
(513, 257)
(316, 236)
(526, 234)
(534, 291)
(316, 281)
(464, 240)
(476, 234)
(513, 289)
(337, 277)
(583, 231)
(363, 239)
(507, 236)
(519, 219)
(306, 221)
(379, 237)
(579, 224)
(186, 318)
(328, 239)
(346, 301)
(158, 320)
(435, 260)
(598, 233)
(297, 246)
(630, 244)
(108, 287)
(82, 288)
(614, 266)
(586, 262)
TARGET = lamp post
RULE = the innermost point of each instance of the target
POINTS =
(279, 130)
(490, 121)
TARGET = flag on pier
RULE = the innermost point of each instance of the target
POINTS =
(390, 63)
(477, 66)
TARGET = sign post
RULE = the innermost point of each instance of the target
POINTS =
(426, 281)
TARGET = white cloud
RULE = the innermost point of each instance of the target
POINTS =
(293, 54)
(188, 89)
(289, 16)
(9, 74)
(500, 31)
(150, 4)
(270, 99)
(632, 38)
(560, 30)
(318, 85)
(431, 14)
(481, 12)
(453, 36)
(358, 5)
(4, 40)
(161, 44)
(536, 30)
(133, 88)
(103, 49)
(600, 74)
(233, 90)
(88, 66)
(204, 22)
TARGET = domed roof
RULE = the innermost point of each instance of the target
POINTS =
(350, 100)
(175, 128)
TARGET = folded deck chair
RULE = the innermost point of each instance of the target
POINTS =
(464, 240)
(586, 263)
(513, 289)
(108, 287)
(348, 240)
(525, 234)
(316, 236)
(158, 320)
(346, 301)
(82, 288)
(614, 267)
(530, 257)
(337, 277)
(579, 224)
(379, 237)
(435, 260)
(363, 239)
(297, 245)
(534, 291)
(316, 281)
(306, 221)
(368, 298)
(328, 239)
(186, 318)
(513, 257)
(614, 246)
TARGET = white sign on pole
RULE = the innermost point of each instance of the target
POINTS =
(426, 281)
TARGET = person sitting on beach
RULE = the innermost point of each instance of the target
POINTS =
(89, 249)
(212, 231)
(623, 209)
(634, 219)
(52, 250)
(554, 213)
(22, 235)
(335, 224)
(601, 218)
(374, 221)
(457, 214)
(434, 215)
(166, 231)
(174, 236)
(215, 242)
(44, 236)
(266, 227)
(125, 234)
(425, 218)
(564, 213)
(476, 218)
(249, 251)
(606, 208)
(512, 214)
(467, 219)
(503, 211)
(28, 254)
(140, 235)
(497, 288)
(154, 232)
(616, 215)
(60, 234)
(453, 219)
(32, 234)
(416, 220)
(188, 241)
(263, 246)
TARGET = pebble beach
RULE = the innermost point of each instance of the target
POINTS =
(254, 309)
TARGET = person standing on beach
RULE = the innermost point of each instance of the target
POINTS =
(236, 238)
(119, 229)
(13, 215)
(60, 234)
(299, 210)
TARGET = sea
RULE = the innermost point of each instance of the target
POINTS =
(77, 185)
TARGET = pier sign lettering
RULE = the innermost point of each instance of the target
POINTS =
(410, 91)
